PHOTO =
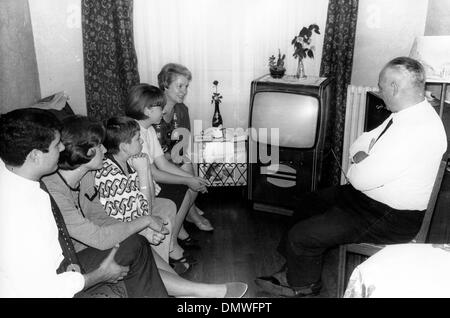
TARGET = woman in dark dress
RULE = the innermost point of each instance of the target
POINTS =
(174, 80)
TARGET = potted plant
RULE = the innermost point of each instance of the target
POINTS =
(277, 68)
(303, 48)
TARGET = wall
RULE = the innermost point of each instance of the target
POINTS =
(385, 29)
(438, 23)
(59, 49)
(438, 18)
(19, 81)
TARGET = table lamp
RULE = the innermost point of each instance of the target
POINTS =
(434, 54)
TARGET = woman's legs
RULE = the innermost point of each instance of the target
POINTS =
(178, 230)
(166, 209)
(180, 287)
(195, 214)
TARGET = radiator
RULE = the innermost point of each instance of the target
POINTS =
(354, 120)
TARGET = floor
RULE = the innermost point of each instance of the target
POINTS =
(243, 244)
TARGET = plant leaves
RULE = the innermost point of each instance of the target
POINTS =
(303, 32)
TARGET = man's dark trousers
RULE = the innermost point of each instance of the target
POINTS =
(339, 215)
(143, 279)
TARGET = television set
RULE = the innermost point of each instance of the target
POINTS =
(288, 123)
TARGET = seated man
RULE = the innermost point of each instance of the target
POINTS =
(391, 176)
(31, 258)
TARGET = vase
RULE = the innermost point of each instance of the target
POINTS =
(217, 118)
(300, 69)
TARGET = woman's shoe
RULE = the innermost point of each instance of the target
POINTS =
(204, 225)
(183, 264)
(235, 290)
(180, 267)
(189, 243)
(185, 260)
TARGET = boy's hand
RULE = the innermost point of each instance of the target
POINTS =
(140, 162)
(152, 236)
(158, 225)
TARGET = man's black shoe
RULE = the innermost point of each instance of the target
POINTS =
(273, 286)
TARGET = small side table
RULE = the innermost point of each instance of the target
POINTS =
(223, 162)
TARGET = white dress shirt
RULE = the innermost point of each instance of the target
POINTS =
(152, 148)
(30, 252)
(151, 145)
(402, 165)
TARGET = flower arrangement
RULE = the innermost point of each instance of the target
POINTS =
(277, 68)
(216, 97)
(279, 64)
(302, 42)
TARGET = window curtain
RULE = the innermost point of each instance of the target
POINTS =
(337, 61)
(228, 41)
(110, 63)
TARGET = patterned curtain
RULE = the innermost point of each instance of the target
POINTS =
(110, 63)
(337, 61)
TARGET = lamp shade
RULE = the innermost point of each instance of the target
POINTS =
(434, 54)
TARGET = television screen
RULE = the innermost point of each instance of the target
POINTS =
(295, 115)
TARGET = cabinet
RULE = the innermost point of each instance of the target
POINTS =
(223, 162)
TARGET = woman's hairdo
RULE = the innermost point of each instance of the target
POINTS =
(143, 96)
(169, 72)
(79, 134)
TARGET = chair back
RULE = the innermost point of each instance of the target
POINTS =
(422, 235)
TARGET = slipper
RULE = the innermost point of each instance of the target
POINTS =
(189, 243)
(235, 290)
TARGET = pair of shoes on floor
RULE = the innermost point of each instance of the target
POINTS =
(189, 243)
(203, 224)
(235, 290)
(273, 286)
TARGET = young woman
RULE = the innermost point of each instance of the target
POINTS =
(145, 104)
(173, 80)
(125, 196)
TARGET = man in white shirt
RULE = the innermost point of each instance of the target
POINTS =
(30, 253)
(391, 176)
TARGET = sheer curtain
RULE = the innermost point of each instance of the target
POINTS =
(229, 41)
